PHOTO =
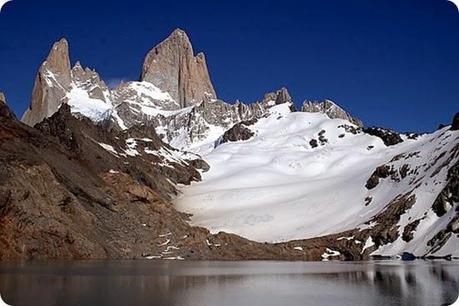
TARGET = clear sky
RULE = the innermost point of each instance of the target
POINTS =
(392, 63)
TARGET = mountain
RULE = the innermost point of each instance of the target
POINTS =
(173, 68)
(241, 181)
(73, 189)
(303, 175)
(57, 83)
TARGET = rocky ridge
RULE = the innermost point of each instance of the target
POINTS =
(70, 189)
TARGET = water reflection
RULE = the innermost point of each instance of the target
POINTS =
(229, 283)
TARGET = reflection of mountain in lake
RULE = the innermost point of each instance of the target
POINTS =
(229, 283)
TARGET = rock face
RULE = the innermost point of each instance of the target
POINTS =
(172, 67)
(389, 137)
(239, 131)
(51, 82)
(330, 109)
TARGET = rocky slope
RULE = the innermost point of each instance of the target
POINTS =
(102, 167)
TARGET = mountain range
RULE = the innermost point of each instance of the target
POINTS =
(161, 168)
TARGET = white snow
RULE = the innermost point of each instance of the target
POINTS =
(368, 243)
(150, 91)
(108, 147)
(276, 187)
(80, 102)
(347, 238)
(132, 145)
(329, 253)
(165, 243)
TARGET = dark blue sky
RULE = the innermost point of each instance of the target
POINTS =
(392, 63)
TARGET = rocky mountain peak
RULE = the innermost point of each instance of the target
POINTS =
(172, 67)
(57, 83)
(90, 81)
(58, 60)
(282, 96)
(51, 82)
(329, 108)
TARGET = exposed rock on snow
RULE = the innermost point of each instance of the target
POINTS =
(330, 109)
(389, 137)
(238, 132)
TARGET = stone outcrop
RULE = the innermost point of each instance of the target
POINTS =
(449, 195)
(389, 137)
(239, 132)
(173, 67)
(330, 109)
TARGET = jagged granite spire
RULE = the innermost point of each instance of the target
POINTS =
(172, 67)
(51, 83)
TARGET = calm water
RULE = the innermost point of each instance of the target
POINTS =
(229, 283)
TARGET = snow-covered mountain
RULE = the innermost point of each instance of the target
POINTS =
(276, 174)
(304, 175)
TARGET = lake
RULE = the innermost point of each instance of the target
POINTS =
(253, 283)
